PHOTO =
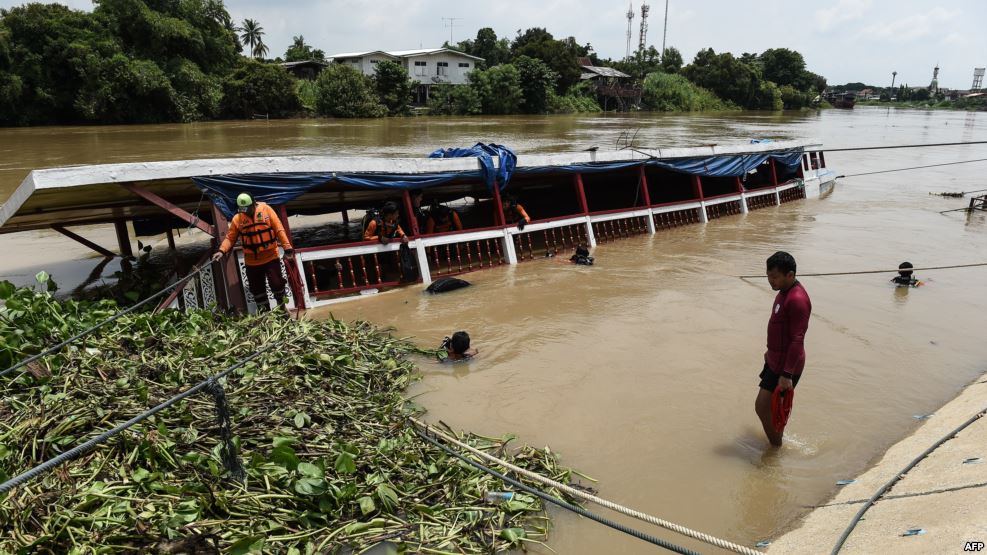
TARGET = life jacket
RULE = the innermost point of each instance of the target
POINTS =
(383, 229)
(257, 234)
(442, 216)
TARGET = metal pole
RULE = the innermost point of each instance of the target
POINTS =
(665, 32)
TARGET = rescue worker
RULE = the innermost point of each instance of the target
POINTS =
(784, 359)
(514, 213)
(441, 219)
(421, 215)
(457, 348)
(905, 277)
(260, 231)
(385, 227)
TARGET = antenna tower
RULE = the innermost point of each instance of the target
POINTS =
(978, 79)
(630, 17)
(451, 23)
(644, 26)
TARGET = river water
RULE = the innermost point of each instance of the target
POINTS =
(641, 371)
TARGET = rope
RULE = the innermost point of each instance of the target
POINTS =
(914, 168)
(565, 505)
(84, 448)
(899, 476)
(712, 540)
(847, 149)
(881, 271)
(90, 330)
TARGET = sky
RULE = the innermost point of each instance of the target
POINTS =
(843, 40)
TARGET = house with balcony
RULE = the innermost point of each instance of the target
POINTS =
(425, 66)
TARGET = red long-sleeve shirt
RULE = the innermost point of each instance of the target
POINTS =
(786, 331)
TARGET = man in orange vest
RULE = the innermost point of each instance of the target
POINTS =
(259, 230)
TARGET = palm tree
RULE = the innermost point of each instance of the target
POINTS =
(260, 50)
(251, 34)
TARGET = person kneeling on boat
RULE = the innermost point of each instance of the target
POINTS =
(905, 277)
(582, 256)
(260, 231)
(384, 227)
(441, 219)
(457, 348)
(514, 213)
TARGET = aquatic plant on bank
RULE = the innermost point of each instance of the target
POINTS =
(318, 425)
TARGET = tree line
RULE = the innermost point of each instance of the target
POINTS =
(150, 61)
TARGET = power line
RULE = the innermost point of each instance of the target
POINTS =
(913, 168)
(882, 271)
(847, 149)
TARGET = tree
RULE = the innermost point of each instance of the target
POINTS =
(260, 50)
(671, 60)
(301, 52)
(494, 51)
(537, 83)
(393, 86)
(454, 100)
(783, 67)
(259, 88)
(344, 92)
(730, 79)
(251, 33)
(559, 55)
(674, 93)
(498, 88)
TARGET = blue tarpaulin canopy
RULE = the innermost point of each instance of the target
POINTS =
(280, 188)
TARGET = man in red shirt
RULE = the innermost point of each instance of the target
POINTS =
(785, 357)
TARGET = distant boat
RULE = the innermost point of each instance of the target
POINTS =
(842, 100)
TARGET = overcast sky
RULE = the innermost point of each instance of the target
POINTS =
(844, 40)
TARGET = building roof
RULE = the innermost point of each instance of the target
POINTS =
(600, 71)
(358, 54)
(289, 65)
(426, 51)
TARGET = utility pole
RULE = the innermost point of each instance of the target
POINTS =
(665, 32)
(451, 23)
(893, 75)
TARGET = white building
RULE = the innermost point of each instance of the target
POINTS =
(425, 66)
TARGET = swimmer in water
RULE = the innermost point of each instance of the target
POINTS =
(905, 277)
(457, 348)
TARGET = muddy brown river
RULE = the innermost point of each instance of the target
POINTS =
(641, 371)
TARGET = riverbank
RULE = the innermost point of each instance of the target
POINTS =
(977, 104)
(943, 495)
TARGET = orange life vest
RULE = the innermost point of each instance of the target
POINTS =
(259, 235)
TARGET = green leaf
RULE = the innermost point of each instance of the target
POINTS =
(388, 497)
(4, 452)
(310, 486)
(345, 463)
(250, 544)
(285, 456)
(42, 277)
(301, 419)
(7, 290)
(140, 475)
(310, 470)
(512, 535)
(366, 505)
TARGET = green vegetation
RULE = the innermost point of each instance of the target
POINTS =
(305, 449)
(344, 92)
(674, 93)
(259, 88)
(393, 87)
(299, 51)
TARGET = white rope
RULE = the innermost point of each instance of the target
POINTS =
(712, 540)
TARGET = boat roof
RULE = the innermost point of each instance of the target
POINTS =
(89, 194)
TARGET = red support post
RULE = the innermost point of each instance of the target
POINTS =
(410, 212)
(229, 289)
(581, 192)
(80, 239)
(499, 219)
(740, 185)
(774, 172)
(296, 289)
(123, 238)
(644, 187)
(169, 207)
(697, 187)
(171, 238)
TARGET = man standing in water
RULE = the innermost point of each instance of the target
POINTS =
(785, 357)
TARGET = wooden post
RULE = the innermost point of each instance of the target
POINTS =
(822, 159)
(743, 196)
(229, 287)
(296, 291)
(123, 238)
(346, 217)
(406, 197)
(647, 199)
(697, 186)
(171, 238)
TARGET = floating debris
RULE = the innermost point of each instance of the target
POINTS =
(845, 482)
(914, 532)
(319, 426)
(763, 543)
(923, 416)
(973, 460)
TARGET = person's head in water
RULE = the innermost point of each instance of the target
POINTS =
(905, 269)
(459, 343)
(781, 271)
(389, 212)
(581, 250)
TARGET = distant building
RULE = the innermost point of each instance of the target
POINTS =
(308, 69)
(610, 85)
(425, 66)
